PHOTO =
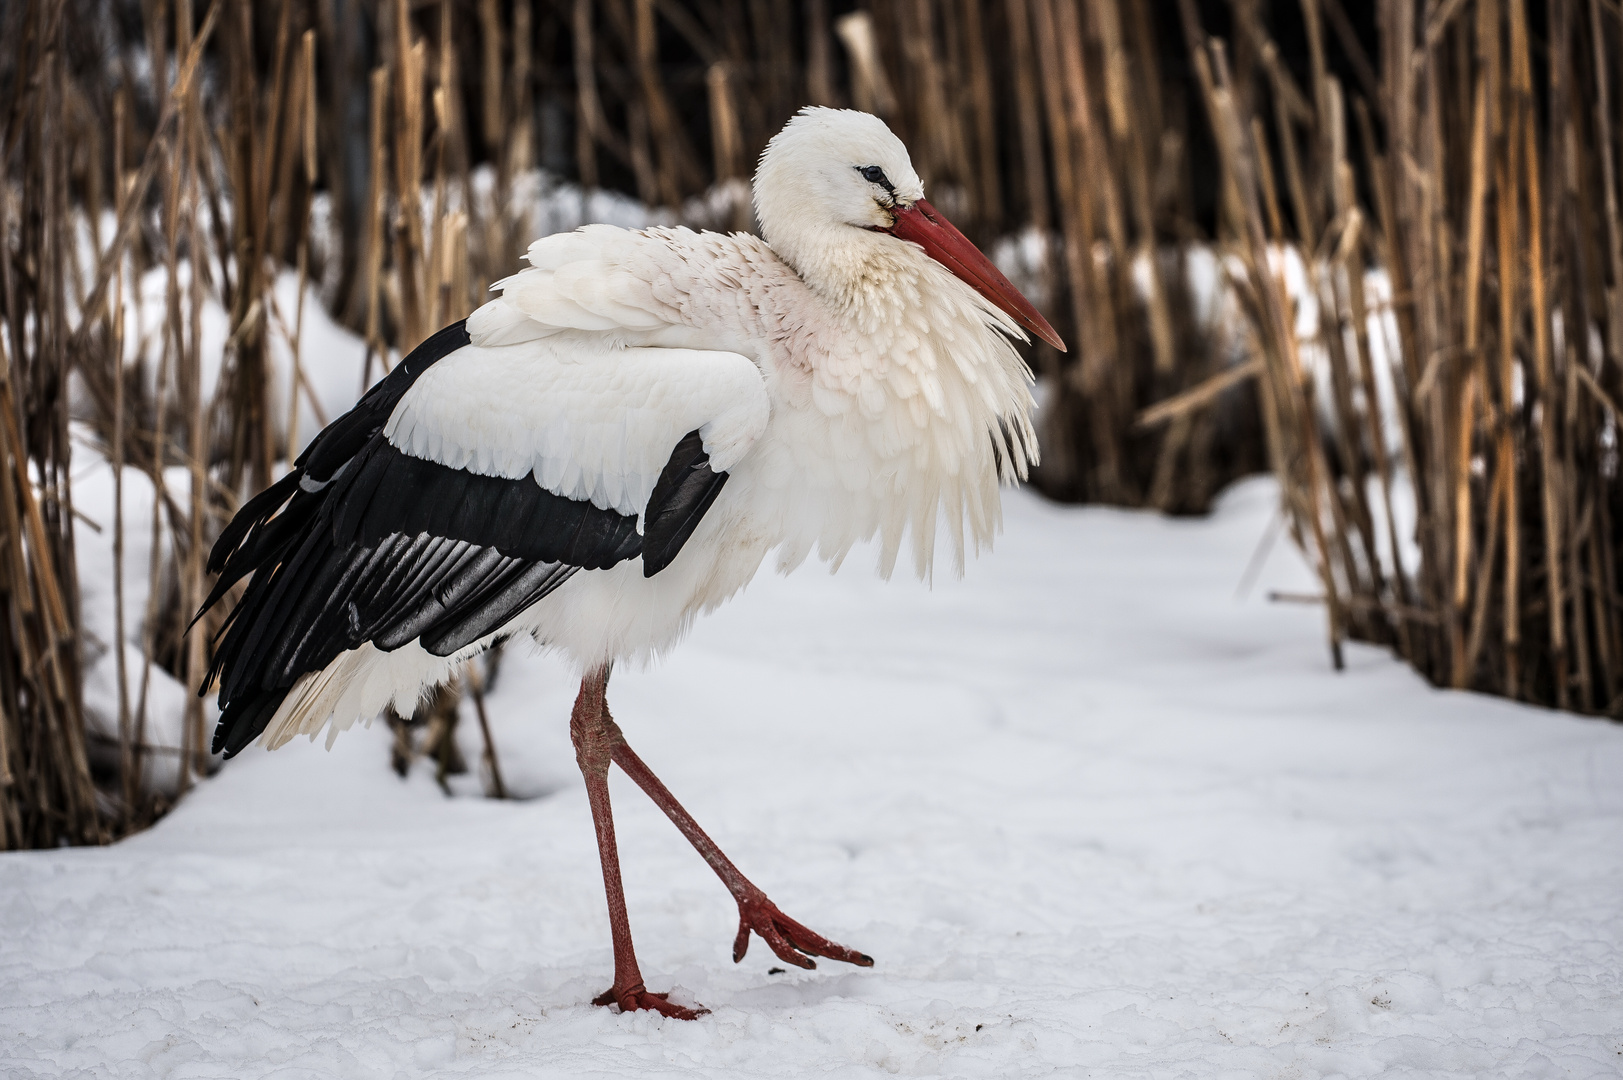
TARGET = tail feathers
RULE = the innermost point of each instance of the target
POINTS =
(243, 721)
(354, 686)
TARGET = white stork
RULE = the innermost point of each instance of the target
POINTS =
(615, 444)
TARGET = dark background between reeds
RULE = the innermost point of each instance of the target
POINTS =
(1466, 150)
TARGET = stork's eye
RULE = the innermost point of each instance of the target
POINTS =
(875, 175)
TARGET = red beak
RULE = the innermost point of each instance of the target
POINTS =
(923, 224)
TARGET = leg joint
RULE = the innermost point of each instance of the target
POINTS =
(595, 734)
(595, 745)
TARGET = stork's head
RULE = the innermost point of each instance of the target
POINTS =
(835, 188)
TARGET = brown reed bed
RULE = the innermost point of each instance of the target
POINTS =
(1444, 172)
(1474, 164)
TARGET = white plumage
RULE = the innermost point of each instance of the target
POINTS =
(845, 385)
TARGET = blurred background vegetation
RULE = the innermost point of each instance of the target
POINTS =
(1371, 247)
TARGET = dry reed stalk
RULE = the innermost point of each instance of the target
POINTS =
(1029, 109)
(727, 142)
(46, 779)
(496, 239)
(819, 55)
(1552, 505)
(590, 120)
(474, 680)
(983, 105)
(1604, 146)
(131, 787)
(1198, 397)
(438, 281)
(251, 416)
(678, 167)
(373, 275)
(1074, 214)
(406, 152)
(156, 638)
(308, 156)
(725, 137)
(1108, 375)
(1355, 269)
(1359, 563)
(519, 146)
(870, 87)
(1125, 132)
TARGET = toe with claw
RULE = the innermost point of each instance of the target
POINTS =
(792, 942)
(639, 997)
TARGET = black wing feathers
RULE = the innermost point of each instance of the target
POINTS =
(686, 488)
(499, 602)
(248, 719)
(393, 492)
(361, 543)
(253, 512)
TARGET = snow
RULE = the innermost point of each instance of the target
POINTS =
(333, 362)
(1092, 813)
(165, 700)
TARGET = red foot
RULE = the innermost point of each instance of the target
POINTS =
(637, 997)
(783, 935)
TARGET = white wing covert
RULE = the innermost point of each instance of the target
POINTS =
(558, 383)
(588, 420)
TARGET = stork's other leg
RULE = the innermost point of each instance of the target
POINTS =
(755, 911)
(595, 736)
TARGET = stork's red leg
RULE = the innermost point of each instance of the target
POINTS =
(755, 912)
(596, 735)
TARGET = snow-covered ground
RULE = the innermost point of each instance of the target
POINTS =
(1091, 814)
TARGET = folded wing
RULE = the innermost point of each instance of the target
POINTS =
(464, 487)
